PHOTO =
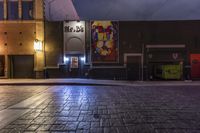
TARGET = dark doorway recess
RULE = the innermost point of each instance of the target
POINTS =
(75, 66)
(21, 66)
(195, 66)
(134, 68)
(2, 65)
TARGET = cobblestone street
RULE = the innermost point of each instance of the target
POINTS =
(100, 109)
(10, 95)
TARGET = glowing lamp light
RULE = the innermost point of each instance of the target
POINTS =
(37, 45)
(83, 59)
(66, 59)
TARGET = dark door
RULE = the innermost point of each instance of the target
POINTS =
(134, 68)
(2, 65)
(22, 66)
(195, 65)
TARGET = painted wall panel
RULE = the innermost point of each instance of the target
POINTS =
(74, 37)
(195, 65)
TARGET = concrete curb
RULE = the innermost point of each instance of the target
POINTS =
(92, 82)
(60, 83)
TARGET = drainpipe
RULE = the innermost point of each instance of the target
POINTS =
(45, 64)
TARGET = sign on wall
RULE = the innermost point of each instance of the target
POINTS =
(74, 37)
(74, 62)
(104, 41)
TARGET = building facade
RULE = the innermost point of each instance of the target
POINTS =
(32, 47)
(126, 50)
(21, 26)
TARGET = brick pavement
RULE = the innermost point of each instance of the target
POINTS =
(113, 109)
(10, 95)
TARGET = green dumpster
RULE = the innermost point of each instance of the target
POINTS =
(169, 71)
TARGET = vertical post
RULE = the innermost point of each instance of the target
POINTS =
(5, 51)
(142, 62)
(44, 42)
(20, 9)
(5, 9)
(39, 34)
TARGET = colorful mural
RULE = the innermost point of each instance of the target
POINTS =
(104, 35)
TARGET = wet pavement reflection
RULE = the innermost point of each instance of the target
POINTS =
(105, 109)
(10, 95)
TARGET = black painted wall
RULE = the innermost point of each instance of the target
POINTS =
(134, 34)
(132, 37)
(53, 43)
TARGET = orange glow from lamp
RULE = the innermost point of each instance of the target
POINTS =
(37, 45)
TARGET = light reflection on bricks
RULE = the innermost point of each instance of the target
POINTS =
(108, 109)
(10, 95)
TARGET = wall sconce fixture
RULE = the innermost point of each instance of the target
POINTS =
(37, 45)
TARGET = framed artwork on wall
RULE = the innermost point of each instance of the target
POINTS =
(104, 42)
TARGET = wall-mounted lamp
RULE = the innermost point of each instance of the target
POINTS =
(83, 58)
(37, 45)
(66, 59)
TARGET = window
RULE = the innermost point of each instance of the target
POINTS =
(1, 10)
(27, 9)
(13, 10)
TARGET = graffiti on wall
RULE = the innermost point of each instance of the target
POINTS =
(104, 41)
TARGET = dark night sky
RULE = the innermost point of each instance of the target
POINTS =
(123, 9)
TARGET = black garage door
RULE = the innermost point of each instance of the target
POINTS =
(22, 66)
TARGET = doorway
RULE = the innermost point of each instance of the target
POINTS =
(195, 66)
(21, 66)
(75, 66)
(2, 65)
(134, 66)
